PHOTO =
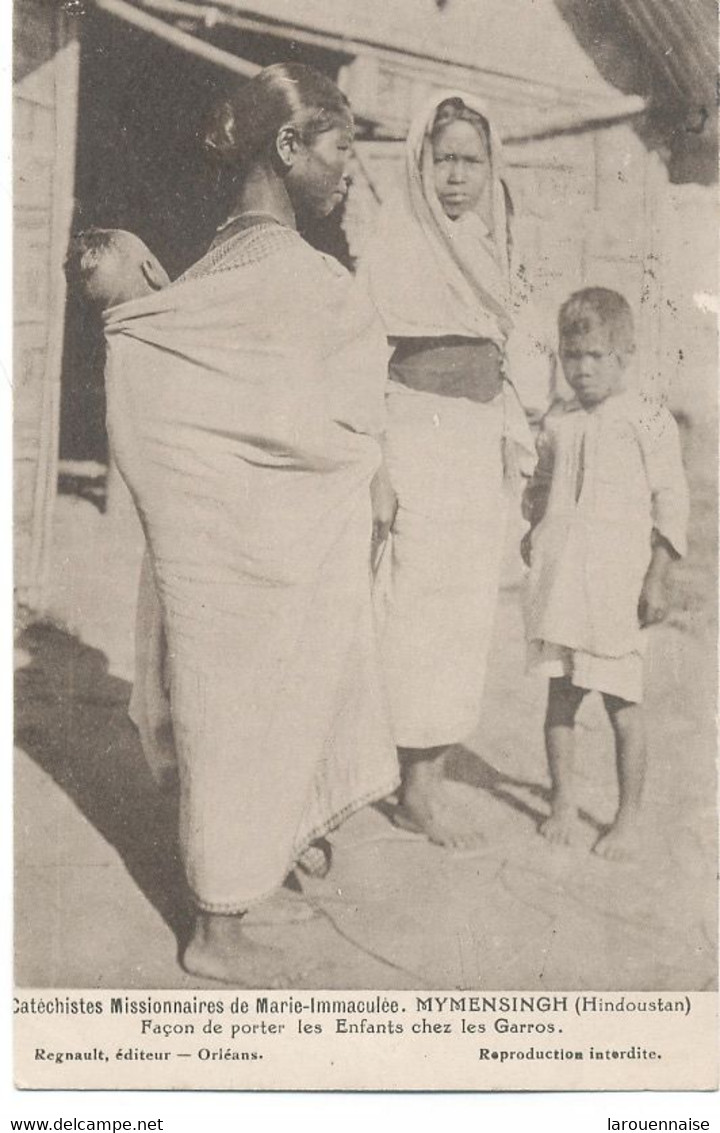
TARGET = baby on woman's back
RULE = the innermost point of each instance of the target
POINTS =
(109, 266)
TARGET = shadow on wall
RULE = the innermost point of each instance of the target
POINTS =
(71, 719)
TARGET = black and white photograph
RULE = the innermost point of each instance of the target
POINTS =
(365, 509)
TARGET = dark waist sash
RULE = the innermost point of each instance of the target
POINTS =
(450, 366)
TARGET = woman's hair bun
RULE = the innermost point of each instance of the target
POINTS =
(245, 124)
(220, 137)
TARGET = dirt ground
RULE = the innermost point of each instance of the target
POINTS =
(100, 898)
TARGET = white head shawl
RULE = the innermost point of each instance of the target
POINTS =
(430, 276)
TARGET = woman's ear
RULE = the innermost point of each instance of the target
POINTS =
(287, 145)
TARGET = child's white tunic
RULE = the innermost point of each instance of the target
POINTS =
(612, 475)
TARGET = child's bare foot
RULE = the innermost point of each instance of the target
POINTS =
(440, 818)
(621, 843)
(220, 949)
(561, 827)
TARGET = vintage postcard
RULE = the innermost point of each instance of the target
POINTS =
(365, 532)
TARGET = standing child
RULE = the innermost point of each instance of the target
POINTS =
(608, 509)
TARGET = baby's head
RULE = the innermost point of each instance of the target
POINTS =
(110, 266)
(597, 340)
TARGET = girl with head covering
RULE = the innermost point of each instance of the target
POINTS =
(438, 271)
(244, 405)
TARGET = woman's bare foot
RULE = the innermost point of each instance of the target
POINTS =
(220, 949)
(441, 821)
(427, 807)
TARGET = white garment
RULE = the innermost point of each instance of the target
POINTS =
(444, 456)
(244, 404)
(149, 707)
(612, 475)
(616, 676)
(431, 277)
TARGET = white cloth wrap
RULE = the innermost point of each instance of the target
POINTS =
(243, 409)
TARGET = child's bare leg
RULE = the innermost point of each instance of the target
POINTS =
(628, 724)
(564, 699)
(221, 950)
(426, 806)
